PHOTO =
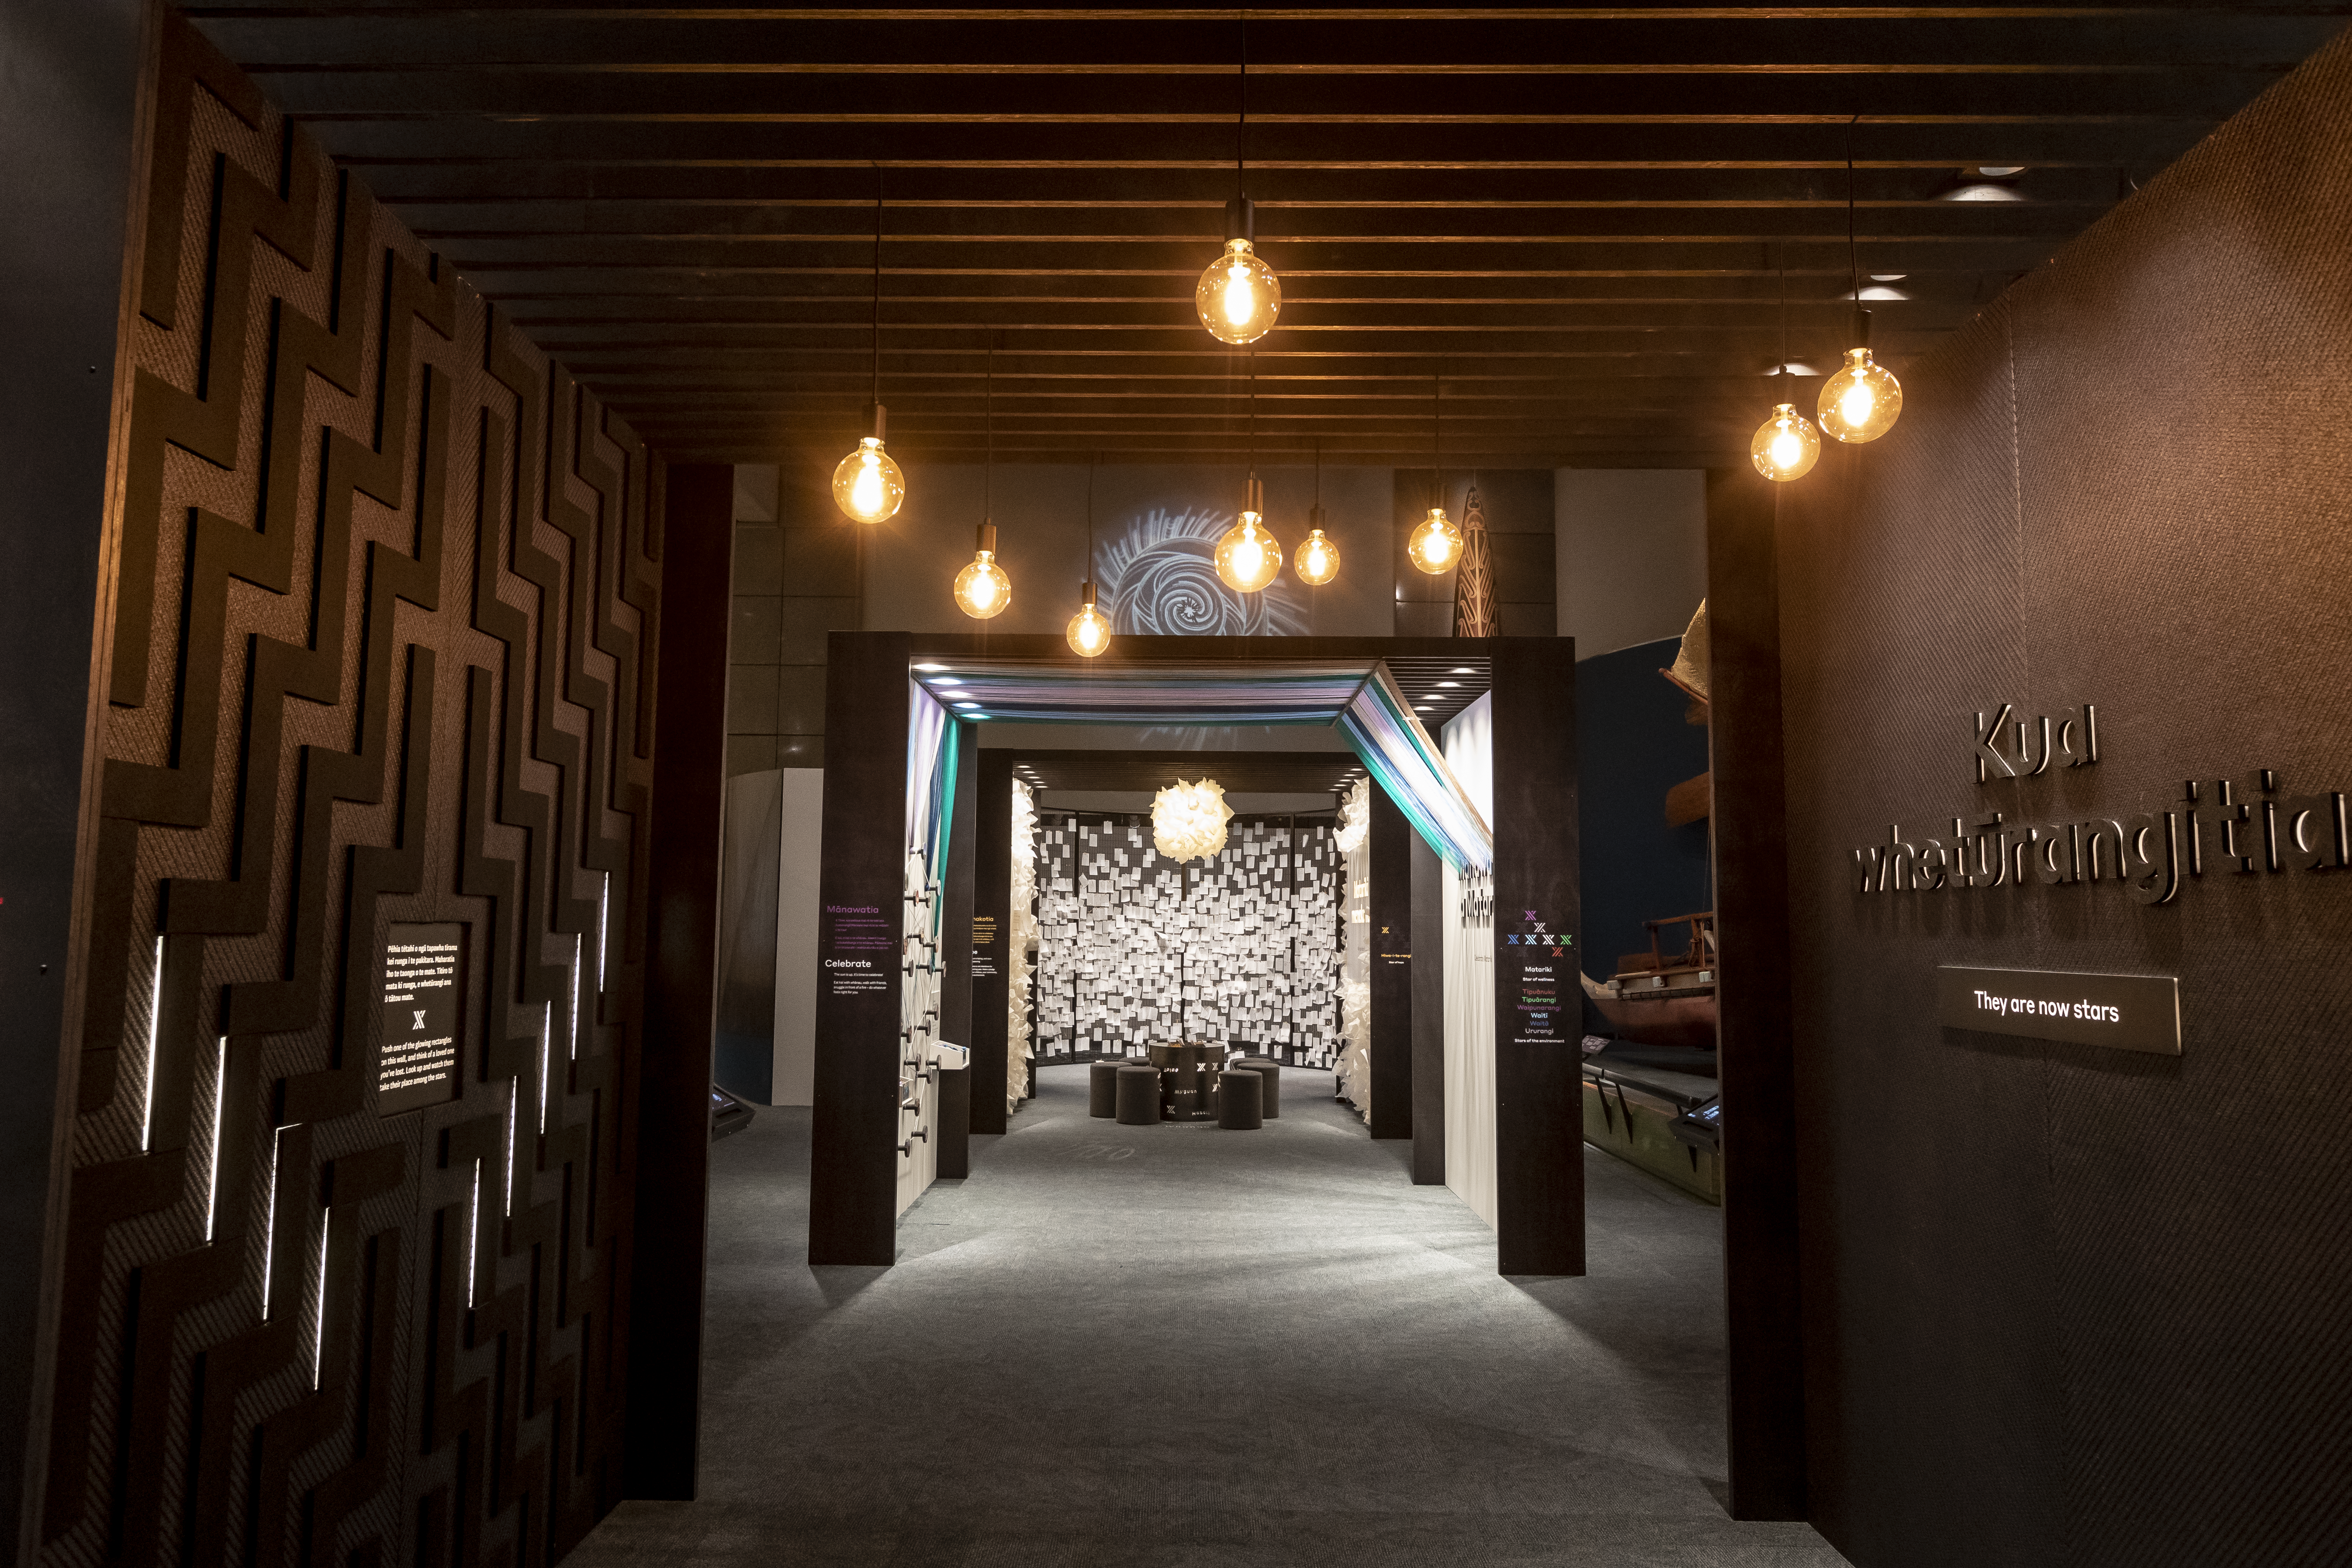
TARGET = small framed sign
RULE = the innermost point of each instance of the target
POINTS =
(419, 1036)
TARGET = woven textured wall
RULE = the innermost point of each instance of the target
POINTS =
(336, 1292)
(2066, 1304)
(1241, 948)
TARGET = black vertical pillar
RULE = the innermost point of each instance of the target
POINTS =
(953, 1117)
(991, 928)
(661, 1449)
(66, 141)
(861, 933)
(1753, 1040)
(1538, 1006)
(1429, 913)
(1389, 843)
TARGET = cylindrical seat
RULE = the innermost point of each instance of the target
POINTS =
(1102, 1089)
(1138, 1096)
(1237, 1101)
(1270, 1095)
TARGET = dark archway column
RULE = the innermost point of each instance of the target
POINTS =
(853, 1143)
(660, 1454)
(1428, 914)
(1754, 1042)
(1391, 842)
(991, 958)
(1539, 1070)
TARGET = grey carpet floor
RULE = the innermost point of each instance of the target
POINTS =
(1177, 1345)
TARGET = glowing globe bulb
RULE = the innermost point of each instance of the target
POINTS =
(1317, 561)
(868, 485)
(1436, 544)
(981, 589)
(1239, 295)
(1862, 400)
(1089, 629)
(1786, 445)
(1248, 557)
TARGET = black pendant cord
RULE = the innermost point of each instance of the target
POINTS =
(1318, 473)
(1093, 463)
(1249, 484)
(988, 474)
(877, 284)
(1436, 441)
(1852, 248)
(1240, 123)
(1784, 318)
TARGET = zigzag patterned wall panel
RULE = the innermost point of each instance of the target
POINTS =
(348, 1241)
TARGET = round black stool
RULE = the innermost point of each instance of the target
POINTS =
(1137, 1094)
(1102, 1089)
(1238, 1100)
(1270, 1095)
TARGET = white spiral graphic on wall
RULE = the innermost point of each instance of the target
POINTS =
(1159, 578)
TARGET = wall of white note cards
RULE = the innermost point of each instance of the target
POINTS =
(1240, 949)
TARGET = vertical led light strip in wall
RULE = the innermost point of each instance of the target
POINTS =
(514, 1092)
(576, 978)
(154, 1037)
(603, 911)
(473, 1232)
(319, 1324)
(546, 1023)
(220, 1099)
(269, 1225)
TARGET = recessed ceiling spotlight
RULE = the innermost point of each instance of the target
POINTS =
(1888, 276)
(1999, 171)
(947, 680)
(931, 668)
(1449, 683)
(967, 704)
(1979, 191)
(1463, 669)
(1794, 367)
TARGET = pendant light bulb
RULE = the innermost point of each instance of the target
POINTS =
(1862, 400)
(1317, 561)
(867, 486)
(1239, 295)
(1436, 545)
(1089, 629)
(1248, 557)
(1786, 445)
(981, 588)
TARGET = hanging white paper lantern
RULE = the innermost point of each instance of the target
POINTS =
(1188, 820)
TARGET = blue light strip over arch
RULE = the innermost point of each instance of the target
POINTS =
(1358, 696)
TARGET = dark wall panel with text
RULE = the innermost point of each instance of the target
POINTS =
(2068, 1302)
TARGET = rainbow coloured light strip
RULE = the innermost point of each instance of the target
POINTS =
(1360, 697)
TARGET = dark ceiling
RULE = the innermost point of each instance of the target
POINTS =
(1571, 219)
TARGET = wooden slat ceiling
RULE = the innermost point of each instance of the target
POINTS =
(1572, 220)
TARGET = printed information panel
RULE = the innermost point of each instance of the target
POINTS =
(424, 989)
(2127, 1011)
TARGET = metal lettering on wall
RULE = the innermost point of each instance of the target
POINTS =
(2265, 830)
(2128, 1012)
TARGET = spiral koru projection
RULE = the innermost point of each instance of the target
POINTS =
(1159, 578)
